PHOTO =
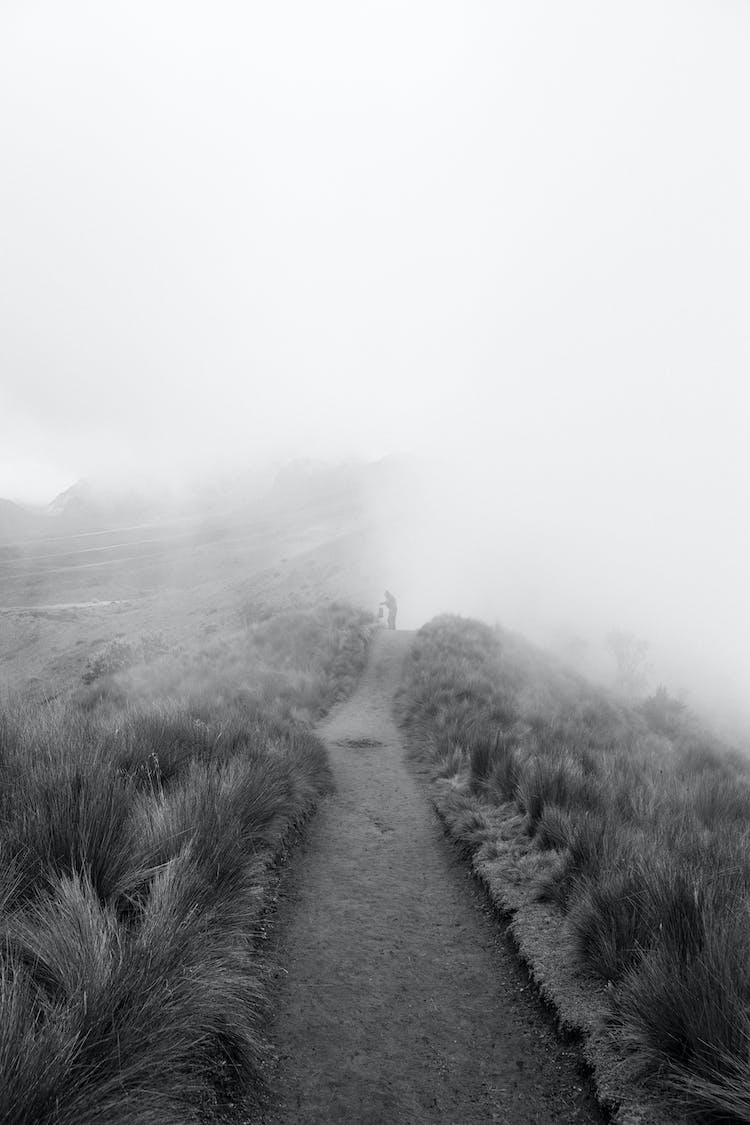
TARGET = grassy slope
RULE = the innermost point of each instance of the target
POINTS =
(138, 824)
(620, 839)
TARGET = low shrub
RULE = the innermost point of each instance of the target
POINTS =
(114, 657)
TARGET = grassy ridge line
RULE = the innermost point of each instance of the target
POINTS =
(618, 838)
(139, 825)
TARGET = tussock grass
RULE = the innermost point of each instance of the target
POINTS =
(555, 828)
(66, 819)
(645, 819)
(686, 1016)
(137, 831)
(558, 779)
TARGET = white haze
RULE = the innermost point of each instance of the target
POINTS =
(511, 235)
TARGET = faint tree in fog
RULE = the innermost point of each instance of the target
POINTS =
(630, 653)
(663, 712)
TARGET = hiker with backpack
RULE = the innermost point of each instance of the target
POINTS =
(391, 605)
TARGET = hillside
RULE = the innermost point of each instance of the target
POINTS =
(615, 838)
(597, 826)
(142, 818)
(311, 537)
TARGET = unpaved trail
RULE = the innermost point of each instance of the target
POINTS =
(399, 1000)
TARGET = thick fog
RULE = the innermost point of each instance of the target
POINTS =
(510, 237)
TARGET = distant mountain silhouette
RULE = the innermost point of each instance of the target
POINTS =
(91, 504)
(88, 504)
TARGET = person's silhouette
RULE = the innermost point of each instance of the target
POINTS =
(392, 606)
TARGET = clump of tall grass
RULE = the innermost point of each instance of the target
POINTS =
(64, 819)
(129, 1023)
(555, 829)
(560, 780)
(154, 746)
(119, 654)
(645, 820)
(683, 1010)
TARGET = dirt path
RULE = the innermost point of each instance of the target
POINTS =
(399, 1000)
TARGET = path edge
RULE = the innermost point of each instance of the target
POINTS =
(492, 843)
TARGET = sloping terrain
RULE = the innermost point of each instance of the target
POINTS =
(62, 594)
(140, 818)
(614, 835)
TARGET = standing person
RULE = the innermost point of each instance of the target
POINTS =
(392, 606)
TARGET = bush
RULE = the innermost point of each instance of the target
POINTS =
(116, 656)
(664, 714)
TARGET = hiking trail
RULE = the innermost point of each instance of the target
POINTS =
(398, 998)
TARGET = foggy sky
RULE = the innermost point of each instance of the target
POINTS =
(516, 233)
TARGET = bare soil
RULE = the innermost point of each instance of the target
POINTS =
(398, 996)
